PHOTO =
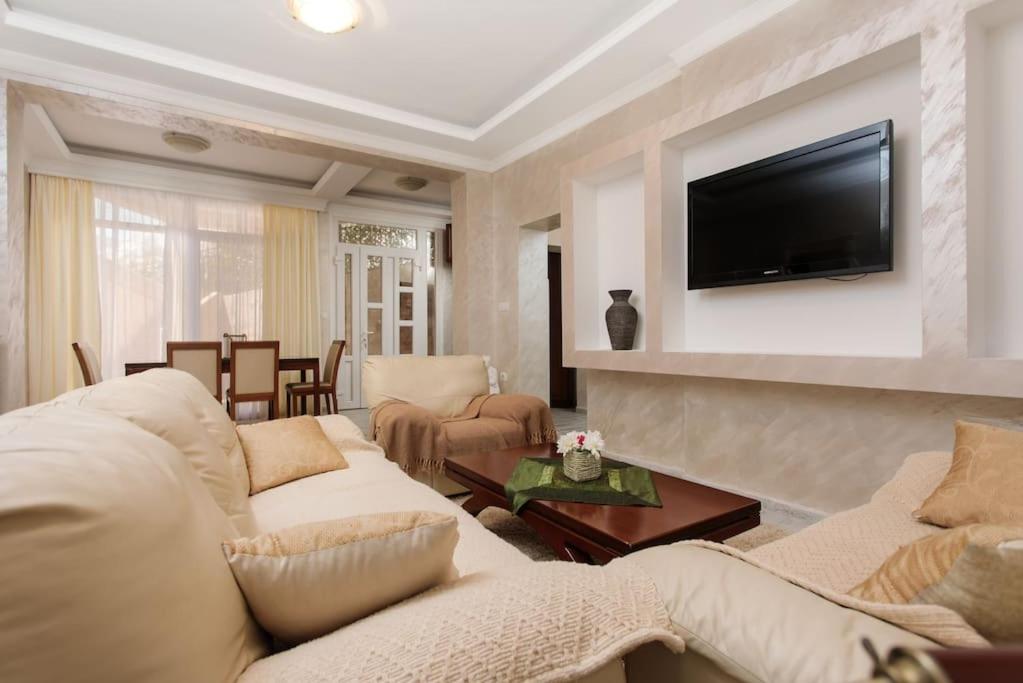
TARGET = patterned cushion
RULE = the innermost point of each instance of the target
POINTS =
(308, 580)
(984, 484)
(974, 570)
(280, 451)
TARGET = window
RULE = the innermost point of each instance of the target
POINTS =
(377, 235)
(174, 267)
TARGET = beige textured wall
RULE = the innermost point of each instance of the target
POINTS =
(824, 448)
(13, 217)
(473, 306)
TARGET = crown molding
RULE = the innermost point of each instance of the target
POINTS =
(734, 26)
(655, 79)
(79, 80)
(44, 25)
(168, 179)
(156, 54)
(73, 78)
(576, 64)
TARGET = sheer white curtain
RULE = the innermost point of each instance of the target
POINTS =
(174, 267)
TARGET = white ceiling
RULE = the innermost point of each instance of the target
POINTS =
(467, 82)
(60, 134)
(96, 133)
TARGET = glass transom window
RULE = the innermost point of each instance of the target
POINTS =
(377, 235)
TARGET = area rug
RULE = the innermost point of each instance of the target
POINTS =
(513, 530)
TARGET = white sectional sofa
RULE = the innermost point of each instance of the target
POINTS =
(119, 577)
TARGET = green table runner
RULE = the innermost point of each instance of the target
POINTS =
(543, 478)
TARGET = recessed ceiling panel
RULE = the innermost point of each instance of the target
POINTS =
(457, 60)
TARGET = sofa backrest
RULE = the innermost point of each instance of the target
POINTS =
(171, 404)
(112, 567)
(444, 385)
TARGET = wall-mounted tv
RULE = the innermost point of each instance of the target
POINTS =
(823, 210)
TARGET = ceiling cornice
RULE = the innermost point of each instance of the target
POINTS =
(41, 24)
(42, 71)
(44, 25)
(732, 27)
(71, 78)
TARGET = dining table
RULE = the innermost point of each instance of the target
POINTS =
(301, 365)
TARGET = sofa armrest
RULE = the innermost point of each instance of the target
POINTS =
(513, 406)
(758, 627)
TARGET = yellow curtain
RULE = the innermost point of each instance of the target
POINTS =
(63, 288)
(291, 284)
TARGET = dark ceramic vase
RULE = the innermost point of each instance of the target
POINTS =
(621, 319)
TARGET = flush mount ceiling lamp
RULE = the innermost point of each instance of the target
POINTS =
(411, 183)
(326, 16)
(184, 142)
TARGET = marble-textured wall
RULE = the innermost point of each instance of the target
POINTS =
(473, 305)
(534, 314)
(13, 217)
(822, 447)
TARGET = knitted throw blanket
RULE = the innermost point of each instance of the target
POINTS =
(547, 621)
(418, 441)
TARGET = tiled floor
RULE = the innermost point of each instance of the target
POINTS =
(564, 420)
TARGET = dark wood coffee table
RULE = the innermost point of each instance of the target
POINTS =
(596, 534)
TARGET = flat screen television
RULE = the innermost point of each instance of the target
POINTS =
(823, 210)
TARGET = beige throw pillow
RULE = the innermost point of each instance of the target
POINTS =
(311, 579)
(974, 570)
(984, 485)
(280, 451)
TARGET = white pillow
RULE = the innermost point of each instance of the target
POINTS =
(308, 580)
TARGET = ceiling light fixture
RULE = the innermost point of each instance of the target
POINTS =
(411, 183)
(326, 16)
(184, 142)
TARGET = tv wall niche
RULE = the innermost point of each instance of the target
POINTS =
(878, 315)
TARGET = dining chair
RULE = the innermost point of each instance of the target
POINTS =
(199, 359)
(254, 375)
(87, 363)
(328, 383)
(230, 339)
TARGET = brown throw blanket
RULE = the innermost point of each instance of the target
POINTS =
(419, 441)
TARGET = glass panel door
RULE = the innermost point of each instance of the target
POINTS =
(377, 274)
(381, 307)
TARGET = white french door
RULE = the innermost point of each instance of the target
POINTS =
(382, 309)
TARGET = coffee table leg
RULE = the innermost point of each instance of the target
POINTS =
(474, 505)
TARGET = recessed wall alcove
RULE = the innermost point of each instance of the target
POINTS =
(623, 219)
(995, 173)
(879, 315)
(608, 247)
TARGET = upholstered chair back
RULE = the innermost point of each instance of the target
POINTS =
(87, 362)
(199, 359)
(254, 375)
(330, 368)
(254, 367)
(444, 385)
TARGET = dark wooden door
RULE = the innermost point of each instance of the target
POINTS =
(562, 378)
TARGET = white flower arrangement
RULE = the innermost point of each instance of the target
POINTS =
(588, 442)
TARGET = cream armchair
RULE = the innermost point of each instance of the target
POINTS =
(425, 408)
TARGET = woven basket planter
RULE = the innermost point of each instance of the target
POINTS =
(581, 466)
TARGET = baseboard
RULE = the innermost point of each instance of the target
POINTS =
(789, 516)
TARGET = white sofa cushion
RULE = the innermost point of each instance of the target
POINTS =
(112, 568)
(372, 484)
(308, 580)
(444, 385)
(759, 627)
(211, 414)
(167, 411)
